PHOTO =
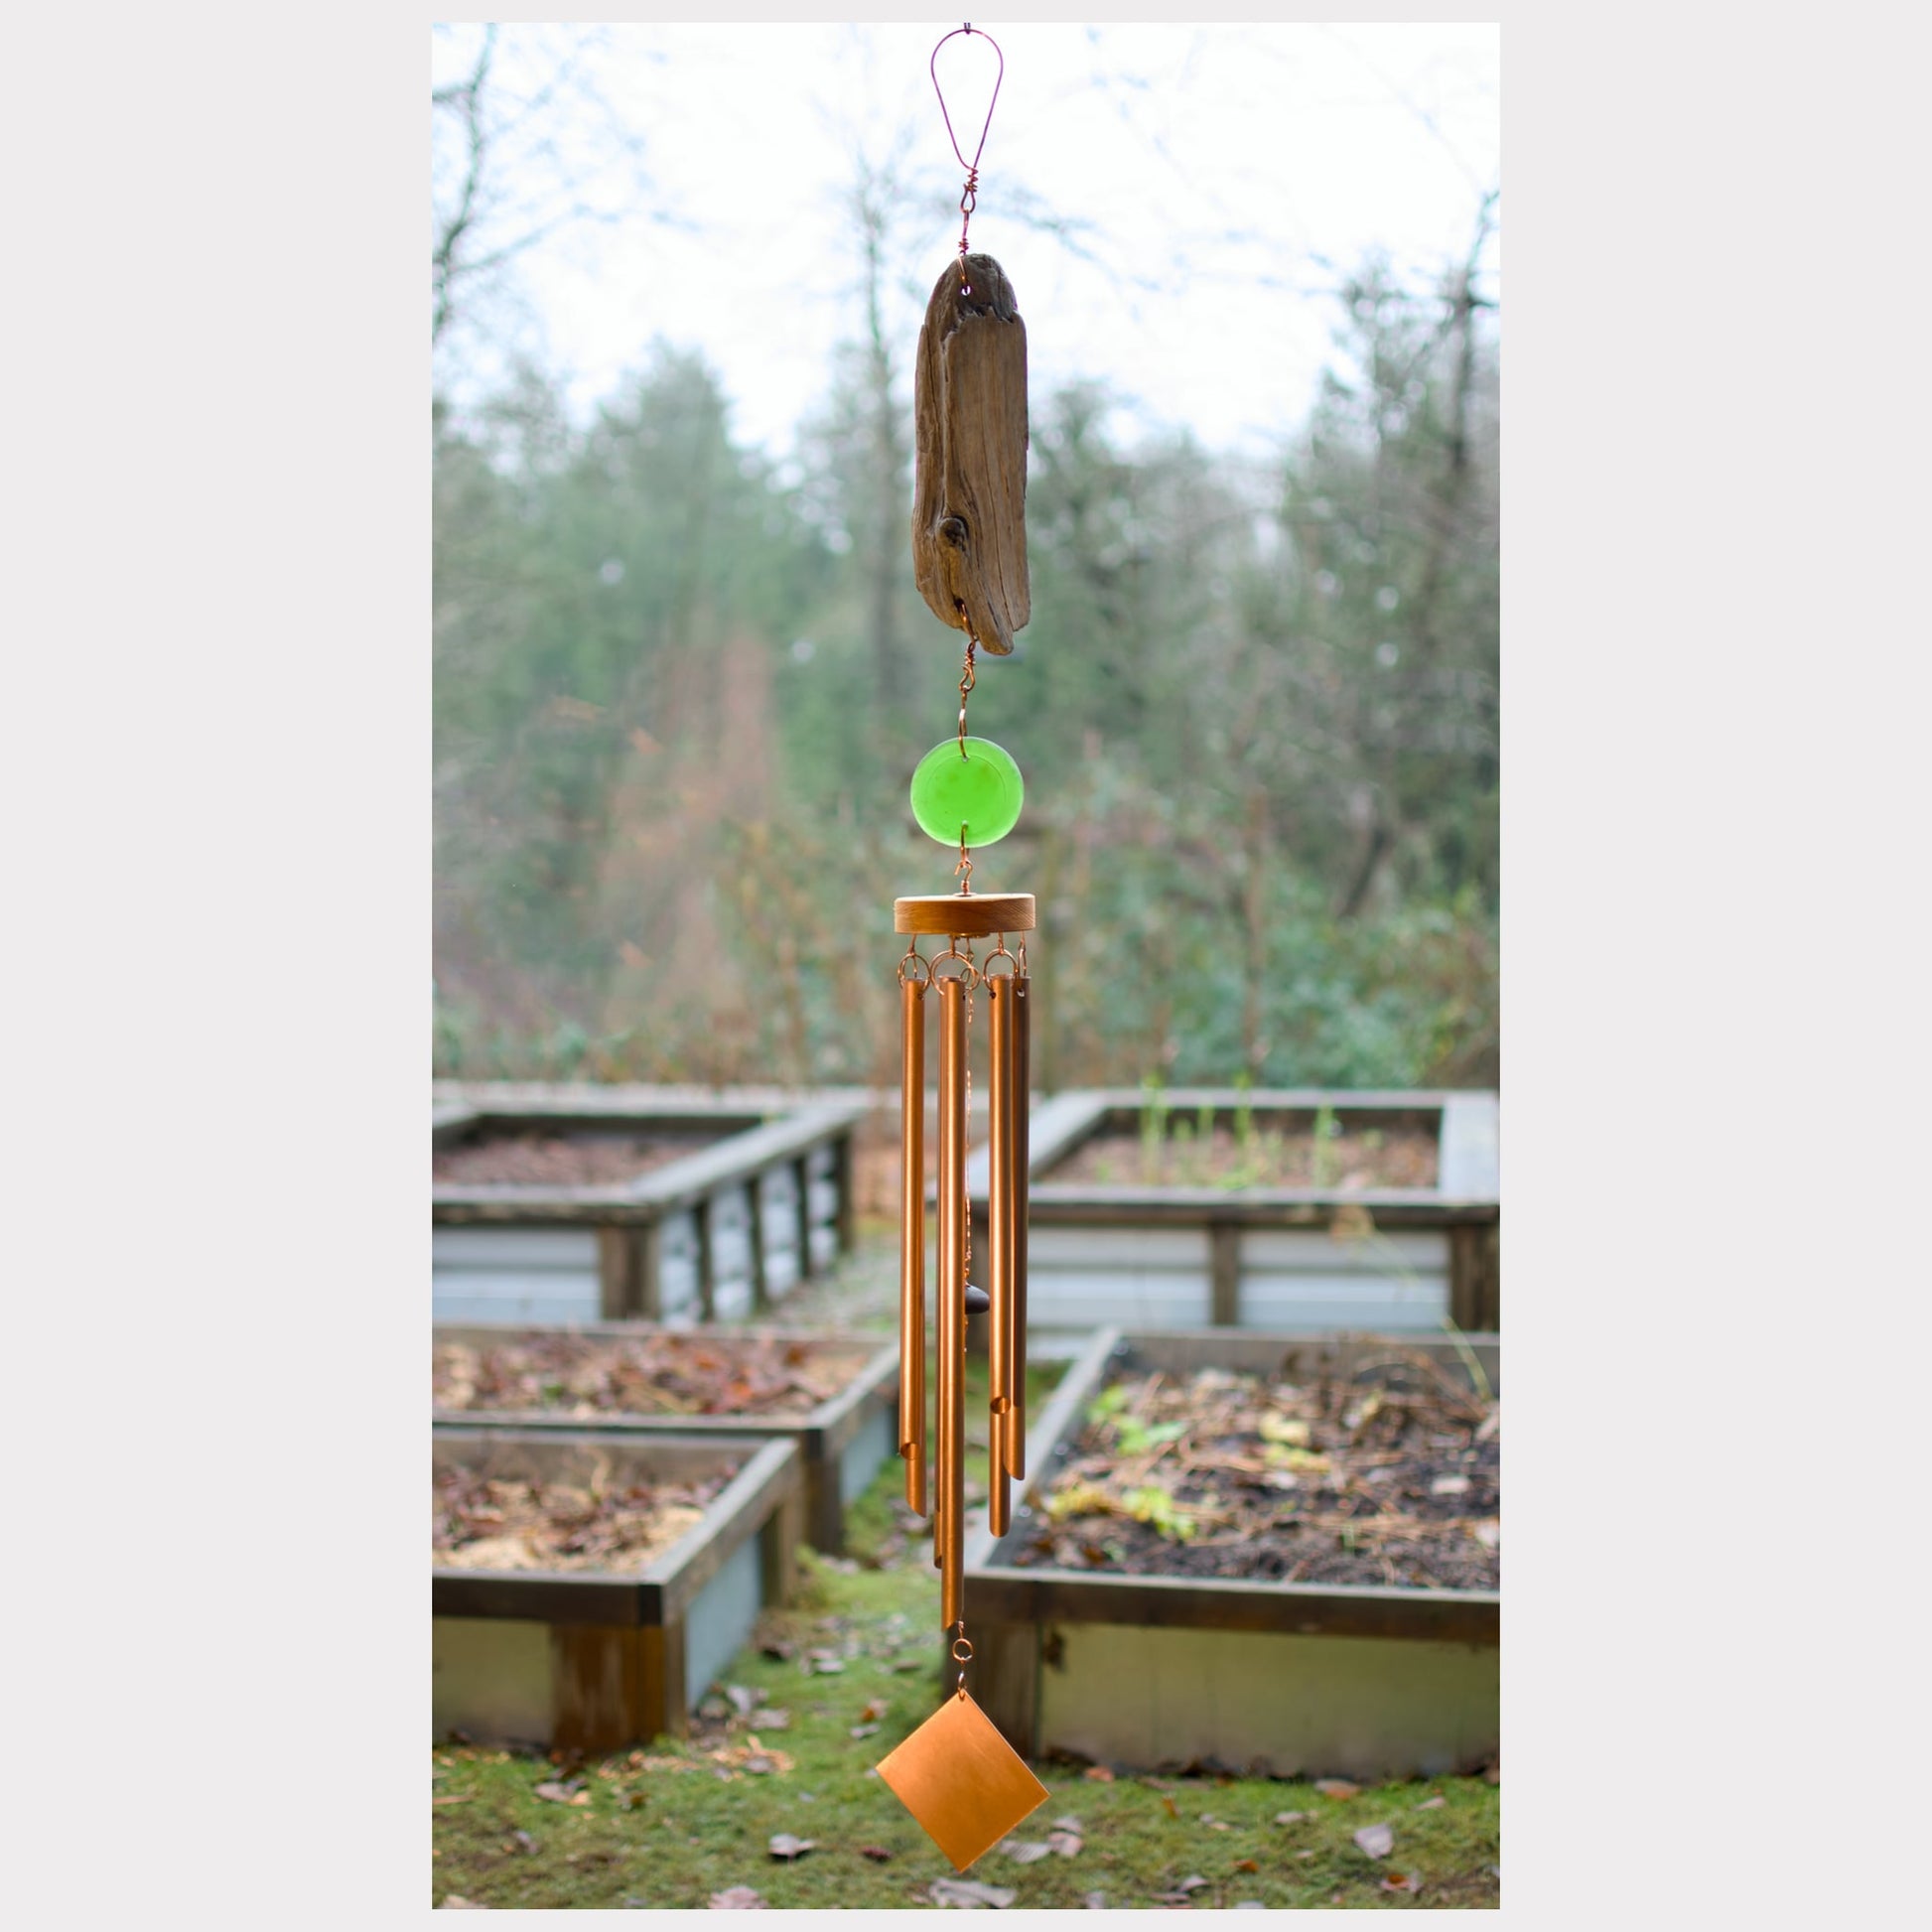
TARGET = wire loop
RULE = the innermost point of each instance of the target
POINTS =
(968, 200)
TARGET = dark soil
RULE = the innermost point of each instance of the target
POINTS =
(497, 1523)
(650, 1374)
(1279, 1151)
(1390, 1476)
(559, 1161)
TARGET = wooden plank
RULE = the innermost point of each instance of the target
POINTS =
(761, 1279)
(1476, 1279)
(1288, 1207)
(848, 1210)
(646, 1274)
(803, 1180)
(1005, 1679)
(1264, 1704)
(663, 1697)
(596, 1689)
(1224, 1245)
(1188, 1603)
(617, 1273)
(1468, 1163)
(707, 1261)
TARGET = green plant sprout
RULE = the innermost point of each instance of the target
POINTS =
(1153, 1128)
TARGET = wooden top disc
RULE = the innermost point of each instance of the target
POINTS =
(968, 914)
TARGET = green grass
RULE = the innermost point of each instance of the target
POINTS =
(670, 1826)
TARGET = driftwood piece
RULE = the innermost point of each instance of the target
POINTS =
(969, 511)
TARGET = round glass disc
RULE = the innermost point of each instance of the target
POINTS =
(980, 792)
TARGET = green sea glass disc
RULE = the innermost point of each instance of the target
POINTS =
(980, 791)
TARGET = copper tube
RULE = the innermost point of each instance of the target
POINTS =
(1022, 1079)
(911, 1243)
(949, 1513)
(998, 1243)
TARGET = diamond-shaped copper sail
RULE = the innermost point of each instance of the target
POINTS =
(964, 1783)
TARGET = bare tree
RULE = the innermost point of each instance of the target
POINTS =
(524, 145)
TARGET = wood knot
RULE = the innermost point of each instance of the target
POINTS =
(952, 531)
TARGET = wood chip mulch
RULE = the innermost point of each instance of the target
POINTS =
(1278, 1151)
(657, 1374)
(1389, 1475)
(592, 1522)
(558, 1160)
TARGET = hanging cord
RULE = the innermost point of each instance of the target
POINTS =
(968, 200)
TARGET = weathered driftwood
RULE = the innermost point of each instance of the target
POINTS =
(969, 512)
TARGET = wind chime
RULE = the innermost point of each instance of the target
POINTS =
(956, 1774)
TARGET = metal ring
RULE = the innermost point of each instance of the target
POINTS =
(964, 1656)
(904, 978)
(970, 978)
(999, 952)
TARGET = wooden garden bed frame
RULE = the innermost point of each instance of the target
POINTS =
(841, 1443)
(595, 1660)
(1463, 1208)
(812, 1141)
(1276, 1679)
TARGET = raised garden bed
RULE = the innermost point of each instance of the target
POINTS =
(835, 1396)
(1148, 1608)
(661, 1552)
(571, 1205)
(1282, 1210)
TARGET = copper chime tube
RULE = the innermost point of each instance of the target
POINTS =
(1019, 1058)
(911, 1243)
(949, 1512)
(999, 1244)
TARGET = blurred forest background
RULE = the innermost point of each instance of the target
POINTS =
(682, 682)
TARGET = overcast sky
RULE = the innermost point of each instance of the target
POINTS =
(1221, 176)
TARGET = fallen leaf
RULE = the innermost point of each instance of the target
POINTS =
(1100, 1774)
(965, 1893)
(630, 1801)
(526, 1841)
(1170, 1807)
(741, 1898)
(1488, 1532)
(1023, 1851)
(1337, 1788)
(1193, 1882)
(781, 1845)
(1066, 1844)
(1069, 1825)
(1246, 1865)
(1450, 1486)
(743, 1702)
(1432, 1804)
(862, 1730)
(1290, 1817)
(874, 1711)
(1217, 1825)
(1285, 1429)
(457, 1903)
(828, 1666)
(1376, 1839)
(1304, 1854)
(1409, 1881)
(1095, 1901)
(559, 1794)
(451, 1801)
(770, 1720)
(875, 1853)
